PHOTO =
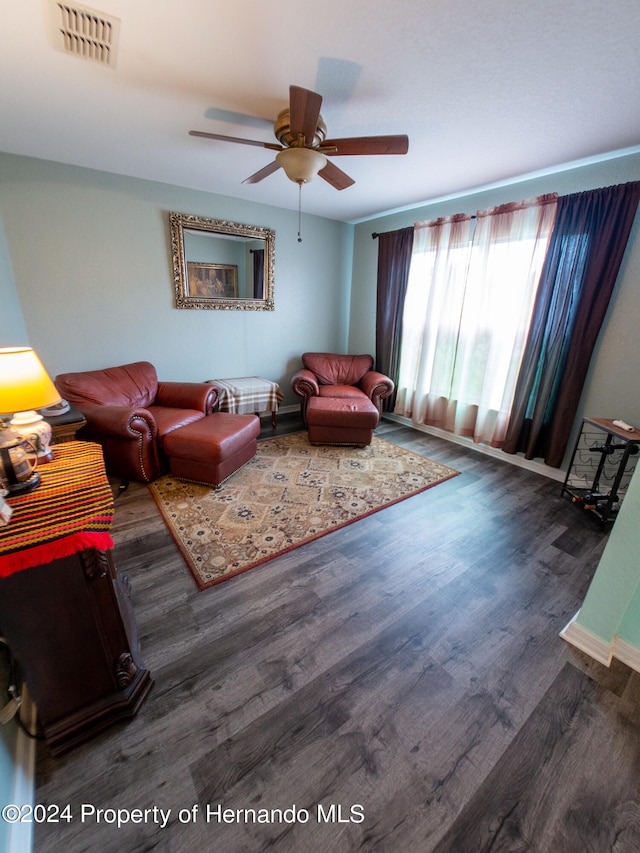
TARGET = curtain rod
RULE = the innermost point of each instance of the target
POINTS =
(375, 235)
(544, 198)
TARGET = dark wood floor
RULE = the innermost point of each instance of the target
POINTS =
(400, 683)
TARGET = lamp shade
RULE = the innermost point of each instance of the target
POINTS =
(301, 165)
(24, 383)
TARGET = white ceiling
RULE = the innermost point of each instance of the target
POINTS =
(486, 91)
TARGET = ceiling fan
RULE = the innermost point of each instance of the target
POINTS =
(304, 148)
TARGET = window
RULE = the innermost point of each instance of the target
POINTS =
(466, 315)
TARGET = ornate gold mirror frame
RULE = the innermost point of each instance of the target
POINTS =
(222, 265)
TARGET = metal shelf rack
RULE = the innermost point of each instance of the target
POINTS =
(601, 467)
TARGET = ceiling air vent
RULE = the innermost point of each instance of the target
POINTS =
(86, 33)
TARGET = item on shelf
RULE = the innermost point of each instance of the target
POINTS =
(59, 408)
(5, 510)
(17, 471)
(33, 428)
(624, 425)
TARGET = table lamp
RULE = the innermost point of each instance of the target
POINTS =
(24, 386)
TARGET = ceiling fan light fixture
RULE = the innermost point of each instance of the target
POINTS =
(301, 165)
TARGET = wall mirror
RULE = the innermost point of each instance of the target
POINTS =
(222, 265)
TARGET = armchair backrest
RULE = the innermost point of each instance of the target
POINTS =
(131, 385)
(335, 369)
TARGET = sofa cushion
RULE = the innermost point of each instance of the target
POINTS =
(128, 385)
(213, 448)
(332, 369)
(342, 413)
(341, 391)
(169, 419)
(341, 421)
(212, 439)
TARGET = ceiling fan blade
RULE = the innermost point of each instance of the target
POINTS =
(338, 179)
(262, 173)
(304, 111)
(366, 145)
(272, 145)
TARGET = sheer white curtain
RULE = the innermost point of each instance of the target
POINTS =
(466, 315)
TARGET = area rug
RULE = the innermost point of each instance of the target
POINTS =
(290, 493)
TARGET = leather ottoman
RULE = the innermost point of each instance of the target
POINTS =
(210, 449)
(341, 420)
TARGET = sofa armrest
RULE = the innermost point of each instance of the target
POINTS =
(187, 395)
(119, 422)
(376, 386)
(304, 383)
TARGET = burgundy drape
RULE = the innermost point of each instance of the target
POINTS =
(258, 273)
(582, 263)
(394, 260)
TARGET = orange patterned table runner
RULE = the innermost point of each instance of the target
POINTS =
(71, 509)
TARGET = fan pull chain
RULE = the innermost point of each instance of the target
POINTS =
(299, 210)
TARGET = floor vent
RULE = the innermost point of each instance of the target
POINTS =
(86, 33)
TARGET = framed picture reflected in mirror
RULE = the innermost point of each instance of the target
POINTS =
(212, 281)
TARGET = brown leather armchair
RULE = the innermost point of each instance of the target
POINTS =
(338, 376)
(129, 412)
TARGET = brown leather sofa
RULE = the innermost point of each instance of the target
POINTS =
(129, 412)
(340, 377)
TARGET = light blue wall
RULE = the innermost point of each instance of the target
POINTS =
(17, 760)
(12, 329)
(8, 740)
(91, 257)
(612, 605)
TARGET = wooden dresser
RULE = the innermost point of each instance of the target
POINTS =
(65, 612)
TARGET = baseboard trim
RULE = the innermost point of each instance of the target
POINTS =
(511, 458)
(599, 649)
(284, 410)
(626, 653)
(589, 643)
